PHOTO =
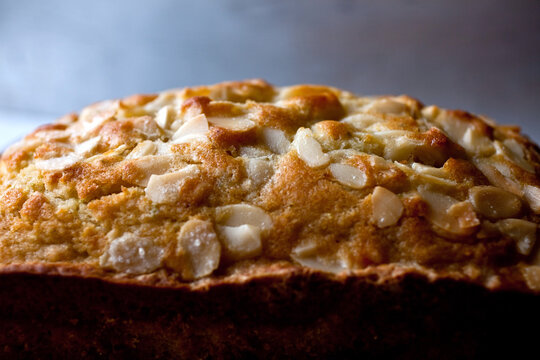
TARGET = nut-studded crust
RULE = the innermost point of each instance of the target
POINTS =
(243, 183)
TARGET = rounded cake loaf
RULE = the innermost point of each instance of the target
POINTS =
(221, 221)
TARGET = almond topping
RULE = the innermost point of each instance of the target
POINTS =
(388, 106)
(348, 175)
(532, 276)
(259, 170)
(514, 151)
(387, 207)
(132, 254)
(532, 195)
(309, 149)
(276, 140)
(241, 242)
(59, 163)
(455, 220)
(242, 214)
(399, 148)
(196, 252)
(165, 116)
(522, 231)
(167, 189)
(193, 129)
(494, 203)
(151, 165)
(144, 148)
(306, 255)
(233, 123)
(464, 213)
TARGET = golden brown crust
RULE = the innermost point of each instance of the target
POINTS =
(277, 175)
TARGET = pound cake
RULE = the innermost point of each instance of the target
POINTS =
(243, 220)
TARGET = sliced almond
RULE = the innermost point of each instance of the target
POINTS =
(59, 163)
(167, 188)
(465, 134)
(348, 175)
(243, 214)
(165, 117)
(144, 148)
(241, 242)
(522, 231)
(259, 170)
(494, 203)
(464, 213)
(151, 165)
(361, 121)
(132, 254)
(276, 140)
(441, 213)
(306, 255)
(87, 147)
(495, 173)
(309, 149)
(197, 250)
(515, 152)
(387, 207)
(532, 276)
(234, 123)
(193, 129)
(399, 148)
(388, 106)
(532, 195)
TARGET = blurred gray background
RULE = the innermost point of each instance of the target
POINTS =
(57, 56)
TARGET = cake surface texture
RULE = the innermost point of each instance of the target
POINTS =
(289, 192)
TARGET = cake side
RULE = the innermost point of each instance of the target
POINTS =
(201, 183)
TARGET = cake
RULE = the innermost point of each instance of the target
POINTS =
(243, 220)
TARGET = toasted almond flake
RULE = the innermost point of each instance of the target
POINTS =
(465, 134)
(430, 112)
(399, 148)
(196, 252)
(59, 163)
(439, 207)
(193, 129)
(319, 263)
(163, 99)
(532, 276)
(491, 171)
(87, 147)
(362, 121)
(167, 188)
(132, 254)
(233, 123)
(388, 106)
(241, 242)
(309, 149)
(515, 152)
(532, 195)
(242, 214)
(348, 175)
(494, 202)
(151, 165)
(428, 170)
(276, 140)
(259, 170)
(164, 117)
(57, 135)
(387, 207)
(463, 211)
(142, 149)
(522, 231)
